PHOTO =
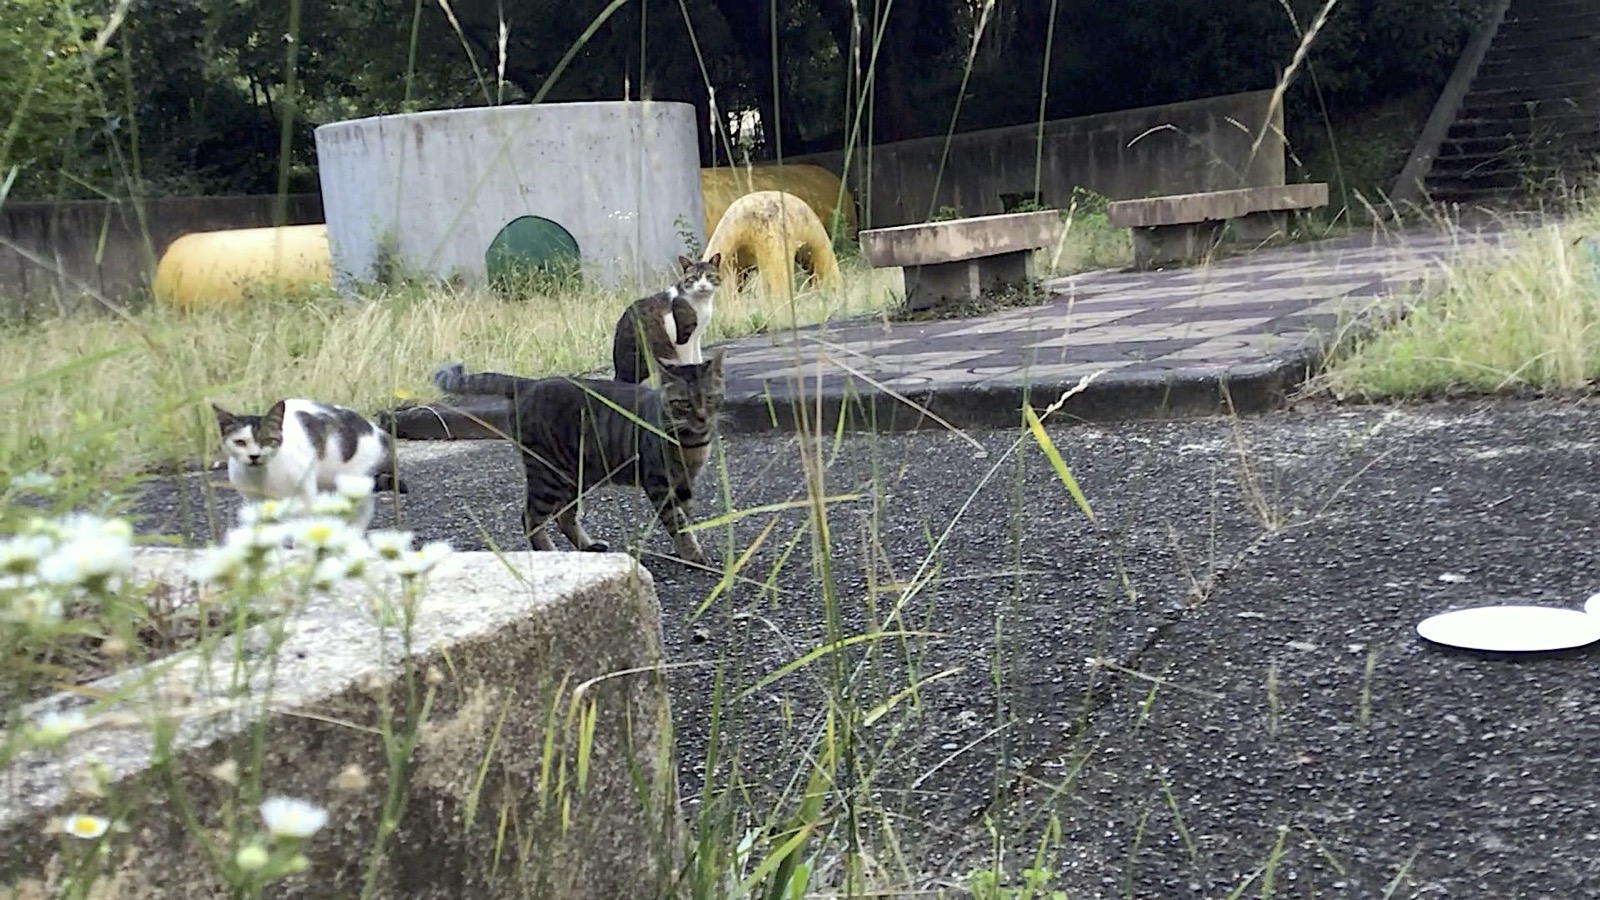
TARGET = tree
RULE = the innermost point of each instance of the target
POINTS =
(47, 63)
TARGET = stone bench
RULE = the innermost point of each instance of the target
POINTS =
(1184, 228)
(513, 645)
(961, 259)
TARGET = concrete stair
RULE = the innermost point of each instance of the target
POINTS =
(1530, 121)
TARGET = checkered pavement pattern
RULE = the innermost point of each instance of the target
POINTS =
(1254, 308)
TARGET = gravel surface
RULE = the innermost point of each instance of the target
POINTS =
(1248, 593)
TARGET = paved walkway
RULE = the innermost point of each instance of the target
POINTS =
(1165, 343)
(1163, 340)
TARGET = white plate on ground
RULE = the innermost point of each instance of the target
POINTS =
(1514, 629)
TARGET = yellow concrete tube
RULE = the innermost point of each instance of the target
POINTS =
(213, 268)
(769, 231)
(818, 187)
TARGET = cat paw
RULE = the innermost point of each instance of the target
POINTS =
(691, 552)
(597, 547)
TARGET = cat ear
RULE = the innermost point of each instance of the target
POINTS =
(270, 431)
(668, 372)
(715, 361)
(716, 260)
(225, 420)
(685, 262)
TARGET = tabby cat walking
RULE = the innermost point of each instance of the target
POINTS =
(666, 327)
(573, 438)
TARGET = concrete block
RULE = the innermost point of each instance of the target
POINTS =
(1183, 209)
(934, 243)
(1183, 228)
(1163, 245)
(1260, 226)
(961, 258)
(429, 191)
(930, 286)
(517, 652)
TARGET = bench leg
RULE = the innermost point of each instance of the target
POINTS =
(931, 286)
(1259, 227)
(1165, 245)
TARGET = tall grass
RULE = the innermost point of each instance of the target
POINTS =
(149, 375)
(1525, 320)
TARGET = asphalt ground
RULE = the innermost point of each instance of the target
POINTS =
(1216, 682)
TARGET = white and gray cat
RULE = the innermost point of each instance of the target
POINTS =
(667, 327)
(299, 448)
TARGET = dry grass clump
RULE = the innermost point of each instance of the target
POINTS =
(1528, 318)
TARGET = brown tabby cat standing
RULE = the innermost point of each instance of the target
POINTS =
(666, 327)
(576, 433)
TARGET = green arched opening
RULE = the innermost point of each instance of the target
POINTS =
(531, 247)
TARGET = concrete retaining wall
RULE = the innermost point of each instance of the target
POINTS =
(1171, 149)
(1176, 148)
(51, 254)
(506, 647)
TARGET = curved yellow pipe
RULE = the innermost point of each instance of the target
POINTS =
(209, 268)
(768, 231)
(818, 187)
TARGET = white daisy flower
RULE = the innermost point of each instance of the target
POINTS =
(292, 817)
(53, 728)
(267, 512)
(260, 536)
(390, 544)
(33, 481)
(323, 533)
(354, 487)
(252, 858)
(336, 505)
(85, 827)
(338, 568)
(38, 608)
(420, 562)
(88, 556)
(78, 526)
(21, 553)
(219, 564)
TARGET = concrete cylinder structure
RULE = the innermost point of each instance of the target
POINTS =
(427, 193)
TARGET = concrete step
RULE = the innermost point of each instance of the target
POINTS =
(1467, 195)
(1526, 11)
(1573, 50)
(1570, 56)
(1574, 19)
(1520, 145)
(1574, 35)
(1503, 171)
(1538, 145)
(1583, 87)
(1527, 196)
(1567, 53)
(1525, 111)
(1522, 120)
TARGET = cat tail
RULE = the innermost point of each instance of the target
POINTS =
(453, 379)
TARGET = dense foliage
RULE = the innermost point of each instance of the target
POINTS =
(206, 95)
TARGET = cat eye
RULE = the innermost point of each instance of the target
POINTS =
(239, 442)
